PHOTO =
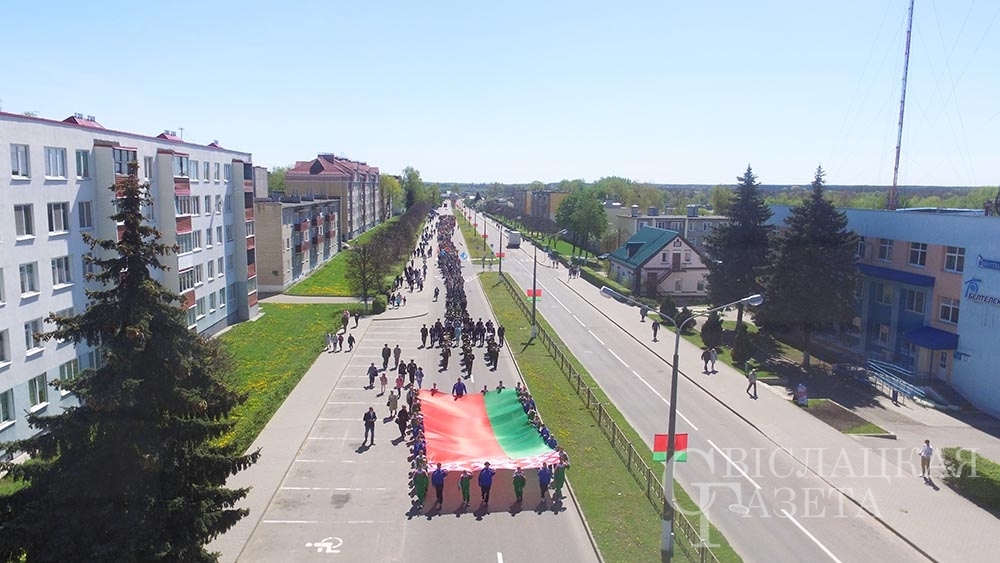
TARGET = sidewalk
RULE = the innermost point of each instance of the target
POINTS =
(879, 476)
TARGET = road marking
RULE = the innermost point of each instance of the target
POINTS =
(305, 488)
(595, 336)
(325, 438)
(346, 403)
(499, 557)
(579, 321)
(664, 399)
(619, 359)
(310, 461)
(290, 521)
(337, 419)
(731, 462)
(812, 537)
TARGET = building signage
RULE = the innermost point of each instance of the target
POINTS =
(987, 263)
(972, 293)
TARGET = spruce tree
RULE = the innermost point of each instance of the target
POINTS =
(739, 250)
(743, 348)
(711, 330)
(131, 474)
(812, 285)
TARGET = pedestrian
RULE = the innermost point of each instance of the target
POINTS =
(519, 481)
(329, 342)
(420, 482)
(423, 336)
(350, 342)
(386, 354)
(411, 370)
(396, 353)
(458, 389)
(357, 319)
(486, 481)
(340, 341)
(399, 385)
(544, 478)
(926, 451)
(369, 419)
(437, 479)
(372, 372)
(559, 479)
(706, 357)
(752, 382)
(420, 377)
(500, 333)
(656, 329)
(445, 356)
(344, 318)
(713, 356)
(393, 403)
(642, 313)
(402, 419)
(464, 482)
(383, 380)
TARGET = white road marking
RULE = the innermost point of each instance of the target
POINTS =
(325, 438)
(290, 521)
(595, 337)
(664, 399)
(499, 557)
(337, 419)
(618, 358)
(579, 321)
(731, 462)
(812, 537)
(346, 403)
(310, 461)
(305, 488)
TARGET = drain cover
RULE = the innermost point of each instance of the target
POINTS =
(739, 509)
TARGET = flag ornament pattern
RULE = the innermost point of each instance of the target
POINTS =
(660, 447)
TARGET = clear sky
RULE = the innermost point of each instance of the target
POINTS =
(666, 91)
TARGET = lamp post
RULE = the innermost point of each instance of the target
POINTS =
(500, 246)
(667, 537)
(534, 292)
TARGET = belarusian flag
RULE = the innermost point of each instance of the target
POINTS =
(534, 294)
(660, 447)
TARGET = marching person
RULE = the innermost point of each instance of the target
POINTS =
(486, 481)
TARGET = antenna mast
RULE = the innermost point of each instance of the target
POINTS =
(894, 192)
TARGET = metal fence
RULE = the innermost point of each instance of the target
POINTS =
(695, 547)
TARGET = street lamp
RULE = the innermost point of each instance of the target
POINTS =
(534, 292)
(667, 537)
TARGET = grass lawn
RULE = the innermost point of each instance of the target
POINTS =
(842, 419)
(625, 524)
(331, 279)
(473, 241)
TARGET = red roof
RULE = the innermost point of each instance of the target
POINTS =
(83, 122)
(330, 165)
(169, 137)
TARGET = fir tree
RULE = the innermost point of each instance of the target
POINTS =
(131, 473)
(743, 348)
(711, 330)
(812, 286)
(668, 310)
(739, 250)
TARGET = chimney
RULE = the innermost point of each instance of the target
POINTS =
(634, 211)
(78, 115)
(692, 210)
(91, 118)
(653, 212)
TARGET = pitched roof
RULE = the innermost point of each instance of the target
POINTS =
(642, 246)
(329, 165)
(76, 120)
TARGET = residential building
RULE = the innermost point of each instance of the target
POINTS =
(521, 201)
(296, 235)
(694, 228)
(355, 183)
(656, 262)
(59, 188)
(545, 203)
(929, 296)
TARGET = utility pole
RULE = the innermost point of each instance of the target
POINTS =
(893, 201)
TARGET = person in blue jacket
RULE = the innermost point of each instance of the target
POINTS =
(437, 479)
(486, 481)
(544, 478)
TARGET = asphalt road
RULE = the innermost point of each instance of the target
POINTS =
(769, 505)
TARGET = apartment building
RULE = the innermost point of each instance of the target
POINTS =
(929, 296)
(355, 183)
(297, 235)
(58, 189)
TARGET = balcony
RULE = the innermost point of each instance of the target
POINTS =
(251, 270)
(251, 242)
(249, 214)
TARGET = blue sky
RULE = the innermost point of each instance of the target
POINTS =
(667, 91)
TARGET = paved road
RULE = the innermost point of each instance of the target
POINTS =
(802, 493)
(320, 496)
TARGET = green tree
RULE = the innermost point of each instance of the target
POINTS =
(720, 198)
(812, 285)
(682, 316)
(711, 330)
(615, 188)
(739, 250)
(668, 309)
(131, 473)
(537, 186)
(413, 186)
(743, 348)
(367, 266)
(276, 178)
(391, 194)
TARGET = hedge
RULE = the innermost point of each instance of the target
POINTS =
(973, 476)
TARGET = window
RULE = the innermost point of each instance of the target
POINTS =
(88, 265)
(194, 170)
(61, 272)
(184, 243)
(31, 331)
(222, 298)
(180, 166)
(227, 172)
(229, 233)
(211, 270)
(1, 287)
(918, 253)
(192, 317)
(19, 161)
(229, 202)
(687, 255)
(701, 285)
(186, 280)
(218, 234)
(208, 205)
(55, 162)
(182, 204)
(58, 217)
(149, 210)
(82, 164)
(229, 262)
(122, 157)
(885, 249)
(24, 223)
(69, 370)
(915, 301)
(216, 171)
(211, 302)
(29, 279)
(219, 266)
(943, 360)
(7, 406)
(207, 174)
(251, 285)
(861, 247)
(954, 258)
(218, 204)
(199, 275)
(38, 390)
(4, 347)
(147, 167)
(85, 215)
(882, 335)
(883, 294)
(200, 305)
(249, 227)
(208, 238)
(948, 312)
(195, 205)
(678, 285)
(196, 240)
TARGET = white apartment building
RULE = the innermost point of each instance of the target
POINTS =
(57, 189)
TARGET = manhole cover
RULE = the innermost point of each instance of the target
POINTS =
(739, 509)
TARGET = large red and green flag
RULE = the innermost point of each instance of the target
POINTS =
(660, 447)
(464, 433)
(534, 294)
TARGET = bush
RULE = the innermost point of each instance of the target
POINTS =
(711, 330)
(973, 476)
(743, 348)
(682, 317)
(379, 304)
(598, 280)
(668, 309)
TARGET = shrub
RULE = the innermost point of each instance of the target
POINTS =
(682, 317)
(598, 280)
(668, 309)
(743, 348)
(379, 304)
(973, 476)
(711, 330)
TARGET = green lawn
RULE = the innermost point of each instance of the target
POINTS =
(473, 240)
(625, 524)
(331, 279)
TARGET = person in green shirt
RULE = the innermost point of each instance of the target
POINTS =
(519, 482)
(420, 482)
(464, 481)
(559, 479)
